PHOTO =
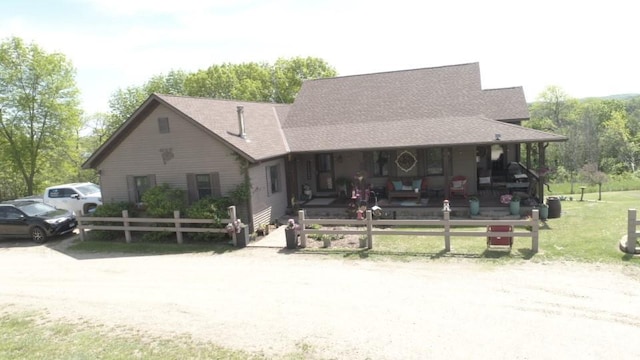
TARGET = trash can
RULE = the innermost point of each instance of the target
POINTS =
(292, 238)
(555, 207)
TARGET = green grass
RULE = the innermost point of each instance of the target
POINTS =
(30, 336)
(587, 231)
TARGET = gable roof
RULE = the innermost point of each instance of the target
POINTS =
(441, 106)
(365, 105)
(218, 118)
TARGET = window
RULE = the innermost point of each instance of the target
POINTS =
(142, 184)
(381, 163)
(273, 179)
(435, 161)
(203, 184)
(61, 193)
(163, 125)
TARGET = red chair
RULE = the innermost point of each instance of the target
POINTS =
(499, 240)
(458, 185)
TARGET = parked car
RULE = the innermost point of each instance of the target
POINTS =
(34, 219)
(79, 198)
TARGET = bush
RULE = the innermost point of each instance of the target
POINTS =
(162, 201)
(110, 210)
(209, 208)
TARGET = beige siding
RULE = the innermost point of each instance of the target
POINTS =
(190, 150)
(267, 207)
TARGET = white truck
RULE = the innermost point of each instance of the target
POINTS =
(79, 198)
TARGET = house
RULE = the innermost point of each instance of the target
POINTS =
(431, 124)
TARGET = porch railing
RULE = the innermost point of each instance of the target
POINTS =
(449, 227)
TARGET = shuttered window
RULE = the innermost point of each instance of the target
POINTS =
(137, 185)
(203, 185)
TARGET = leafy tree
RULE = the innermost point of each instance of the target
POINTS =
(288, 75)
(251, 81)
(592, 175)
(39, 108)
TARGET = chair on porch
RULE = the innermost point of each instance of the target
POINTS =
(458, 185)
(484, 180)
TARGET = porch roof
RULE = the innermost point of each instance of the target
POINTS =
(419, 132)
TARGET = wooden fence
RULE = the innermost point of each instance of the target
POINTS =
(632, 232)
(88, 223)
(448, 228)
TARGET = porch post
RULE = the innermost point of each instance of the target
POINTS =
(541, 164)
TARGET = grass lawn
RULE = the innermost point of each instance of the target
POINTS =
(587, 231)
(29, 336)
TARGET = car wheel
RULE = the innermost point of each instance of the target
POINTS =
(89, 209)
(38, 235)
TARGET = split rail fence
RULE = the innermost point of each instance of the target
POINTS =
(448, 228)
(632, 231)
(89, 223)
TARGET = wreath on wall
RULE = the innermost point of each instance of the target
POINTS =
(406, 161)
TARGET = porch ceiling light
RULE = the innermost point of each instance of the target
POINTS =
(498, 137)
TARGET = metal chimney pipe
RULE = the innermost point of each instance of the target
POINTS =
(243, 133)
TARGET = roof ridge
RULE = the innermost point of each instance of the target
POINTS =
(217, 99)
(395, 71)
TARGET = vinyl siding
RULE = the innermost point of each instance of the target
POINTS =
(141, 153)
(267, 207)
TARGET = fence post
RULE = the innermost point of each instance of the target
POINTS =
(535, 227)
(176, 215)
(632, 236)
(369, 228)
(447, 231)
(232, 216)
(125, 223)
(303, 235)
(81, 230)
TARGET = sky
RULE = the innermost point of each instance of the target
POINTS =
(587, 48)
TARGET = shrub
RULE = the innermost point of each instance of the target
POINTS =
(162, 201)
(209, 208)
(110, 210)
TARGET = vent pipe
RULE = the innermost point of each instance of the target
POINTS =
(243, 133)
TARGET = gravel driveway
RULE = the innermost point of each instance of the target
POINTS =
(266, 299)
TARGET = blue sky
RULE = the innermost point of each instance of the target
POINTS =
(588, 48)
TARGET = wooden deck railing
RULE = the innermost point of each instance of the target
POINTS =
(449, 228)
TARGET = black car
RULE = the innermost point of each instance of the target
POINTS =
(35, 220)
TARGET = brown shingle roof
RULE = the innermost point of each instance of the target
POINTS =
(447, 131)
(262, 123)
(358, 103)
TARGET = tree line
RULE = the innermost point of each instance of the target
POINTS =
(603, 134)
(45, 137)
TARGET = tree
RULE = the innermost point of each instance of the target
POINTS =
(288, 75)
(39, 107)
(592, 175)
(251, 81)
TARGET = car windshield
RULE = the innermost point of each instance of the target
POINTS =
(35, 209)
(88, 189)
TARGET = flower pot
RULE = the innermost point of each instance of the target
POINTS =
(514, 208)
(543, 211)
(474, 207)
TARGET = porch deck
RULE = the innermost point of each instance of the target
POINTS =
(429, 207)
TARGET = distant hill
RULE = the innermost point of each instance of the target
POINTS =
(615, 97)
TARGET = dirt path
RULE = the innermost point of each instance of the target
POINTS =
(266, 300)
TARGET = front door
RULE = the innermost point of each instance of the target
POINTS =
(324, 169)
